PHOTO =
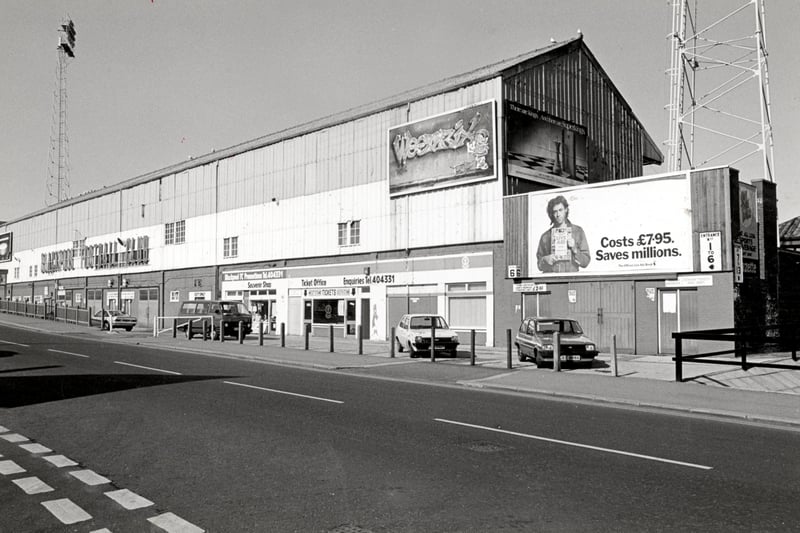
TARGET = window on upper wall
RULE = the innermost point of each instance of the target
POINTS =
(230, 247)
(349, 233)
(16, 272)
(175, 232)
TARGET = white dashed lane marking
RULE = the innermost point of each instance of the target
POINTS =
(14, 437)
(90, 477)
(66, 511)
(60, 461)
(33, 485)
(174, 524)
(68, 353)
(10, 467)
(129, 500)
(35, 448)
(148, 368)
(276, 391)
(14, 343)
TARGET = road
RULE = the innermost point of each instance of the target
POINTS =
(223, 445)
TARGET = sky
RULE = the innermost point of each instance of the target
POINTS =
(155, 82)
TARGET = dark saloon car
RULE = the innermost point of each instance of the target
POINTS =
(534, 341)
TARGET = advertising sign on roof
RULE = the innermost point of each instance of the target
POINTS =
(450, 149)
(6, 250)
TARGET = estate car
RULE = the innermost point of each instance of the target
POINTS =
(223, 317)
(413, 333)
(112, 319)
(534, 341)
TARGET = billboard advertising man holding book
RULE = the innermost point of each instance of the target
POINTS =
(563, 247)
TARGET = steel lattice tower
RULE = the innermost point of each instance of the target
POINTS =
(719, 104)
(58, 168)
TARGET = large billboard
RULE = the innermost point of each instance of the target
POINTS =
(453, 148)
(641, 225)
(6, 247)
(542, 147)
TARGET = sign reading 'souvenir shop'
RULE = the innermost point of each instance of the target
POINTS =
(445, 150)
(628, 226)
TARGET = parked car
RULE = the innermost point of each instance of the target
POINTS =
(223, 317)
(115, 319)
(534, 341)
(413, 333)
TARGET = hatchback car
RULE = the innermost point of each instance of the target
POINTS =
(115, 319)
(534, 341)
(413, 333)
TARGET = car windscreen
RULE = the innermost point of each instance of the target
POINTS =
(234, 308)
(424, 322)
(561, 326)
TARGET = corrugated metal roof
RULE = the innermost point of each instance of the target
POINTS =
(487, 72)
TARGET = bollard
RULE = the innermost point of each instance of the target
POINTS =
(283, 335)
(189, 330)
(433, 342)
(472, 347)
(360, 339)
(330, 335)
(260, 335)
(205, 330)
(508, 349)
(305, 335)
(221, 331)
(556, 351)
(391, 343)
(614, 355)
(241, 332)
(90, 319)
(678, 359)
(174, 328)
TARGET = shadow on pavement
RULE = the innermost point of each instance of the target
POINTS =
(20, 391)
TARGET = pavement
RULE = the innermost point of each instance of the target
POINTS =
(760, 395)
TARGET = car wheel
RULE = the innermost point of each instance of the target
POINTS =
(106, 326)
(539, 361)
(215, 334)
(399, 345)
(521, 356)
(128, 329)
(411, 353)
(453, 353)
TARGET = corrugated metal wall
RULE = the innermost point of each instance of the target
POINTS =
(286, 200)
(574, 88)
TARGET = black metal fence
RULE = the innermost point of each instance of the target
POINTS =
(745, 341)
(45, 311)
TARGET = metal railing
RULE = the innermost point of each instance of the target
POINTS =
(745, 340)
(47, 311)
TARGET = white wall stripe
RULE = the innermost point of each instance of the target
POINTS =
(174, 524)
(66, 511)
(90, 477)
(4, 429)
(32, 485)
(129, 500)
(575, 444)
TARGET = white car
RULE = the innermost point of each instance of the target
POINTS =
(115, 319)
(413, 333)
